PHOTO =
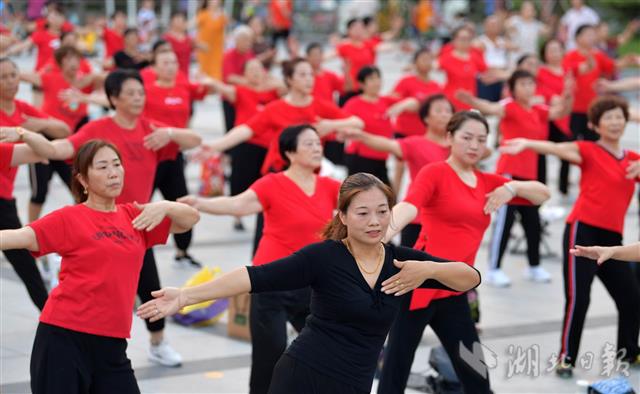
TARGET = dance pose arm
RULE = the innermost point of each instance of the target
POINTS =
(35, 149)
(532, 191)
(22, 238)
(402, 214)
(484, 106)
(604, 253)
(235, 136)
(161, 136)
(327, 126)
(245, 203)
(228, 92)
(182, 216)
(373, 141)
(568, 151)
(561, 106)
(50, 127)
(31, 77)
(410, 104)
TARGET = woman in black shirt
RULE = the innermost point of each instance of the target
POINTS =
(356, 282)
(130, 57)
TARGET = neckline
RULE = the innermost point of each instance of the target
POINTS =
(460, 179)
(360, 274)
(624, 152)
(315, 189)
(98, 211)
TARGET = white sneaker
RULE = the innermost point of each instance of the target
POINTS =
(497, 278)
(164, 354)
(537, 274)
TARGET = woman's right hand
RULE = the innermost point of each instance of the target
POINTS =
(513, 146)
(598, 253)
(167, 302)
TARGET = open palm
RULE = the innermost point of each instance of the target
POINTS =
(166, 303)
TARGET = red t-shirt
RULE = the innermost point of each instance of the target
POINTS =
(357, 56)
(373, 114)
(250, 102)
(183, 49)
(139, 163)
(326, 84)
(149, 76)
(519, 122)
(461, 74)
(278, 115)
(52, 66)
(286, 207)
(172, 105)
(17, 118)
(279, 20)
(584, 91)
(605, 192)
(113, 42)
(6, 154)
(101, 260)
(53, 83)
(46, 43)
(41, 24)
(417, 152)
(409, 123)
(452, 218)
(549, 84)
(233, 63)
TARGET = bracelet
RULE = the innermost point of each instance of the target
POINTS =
(510, 189)
(170, 132)
(20, 131)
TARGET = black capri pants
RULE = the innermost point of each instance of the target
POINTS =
(171, 182)
(149, 281)
(20, 259)
(64, 361)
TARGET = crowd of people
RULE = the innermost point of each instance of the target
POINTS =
(324, 257)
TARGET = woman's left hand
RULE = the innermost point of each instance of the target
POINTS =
(412, 274)
(9, 134)
(496, 199)
(151, 216)
(158, 139)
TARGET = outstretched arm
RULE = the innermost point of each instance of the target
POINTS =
(568, 151)
(245, 203)
(23, 238)
(533, 191)
(484, 106)
(604, 253)
(234, 137)
(373, 141)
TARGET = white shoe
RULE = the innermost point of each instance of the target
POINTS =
(164, 354)
(497, 278)
(537, 274)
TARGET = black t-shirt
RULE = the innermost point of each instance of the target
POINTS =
(349, 321)
(124, 61)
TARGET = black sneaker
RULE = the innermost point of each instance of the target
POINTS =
(564, 369)
(186, 258)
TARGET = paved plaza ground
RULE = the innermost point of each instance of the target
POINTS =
(526, 316)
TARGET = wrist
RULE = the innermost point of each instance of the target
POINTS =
(21, 133)
(511, 188)
(170, 133)
(430, 270)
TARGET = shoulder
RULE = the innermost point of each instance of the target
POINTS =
(323, 249)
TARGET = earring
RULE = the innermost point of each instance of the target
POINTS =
(85, 191)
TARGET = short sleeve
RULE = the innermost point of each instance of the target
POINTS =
(406, 148)
(32, 111)
(423, 187)
(296, 271)
(263, 188)
(37, 37)
(401, 89)
(6, 154)
(159, 235)
(584, 147)
(342, 50)
(81, 136)
(51, 233)
(478, 59)
(607, 65)
(48, 80)
(197, 91)
(328, 110)
(259, 122)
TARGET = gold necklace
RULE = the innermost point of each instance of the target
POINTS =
(380, 258)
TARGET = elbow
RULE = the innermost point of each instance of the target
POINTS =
(542, 195)
(193, 141)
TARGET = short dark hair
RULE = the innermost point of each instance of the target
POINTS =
(425, 107)
(288, 140)
(516, 75)
(116, 79)
(175, 14)
(64, 34)
(289, 67)
(367, 20)
(312, 46)
(367, 71)
(543, 48)
(64, 51)
(460, 118)
(457, 31)
(118, 12)
(351, 22)
(582, 28)
(420, 52)
(523, 58)
(6, 59)
(606, 103)
(81, 163)
(130, 30)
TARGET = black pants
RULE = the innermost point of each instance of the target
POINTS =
(257, 236)
(491, 92)
(356, 163)
(578, 123)
(530, 219)
(229, 112)
(40, 175)
(450, 319)
(278, 35)
(334, 152)
(149, 281)
(20, 259)
(409, 234)
(555, 135)
(246, 162)
(578, 273)
(270, 313)
(171, 182)
(70, 362)
(292, 376)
